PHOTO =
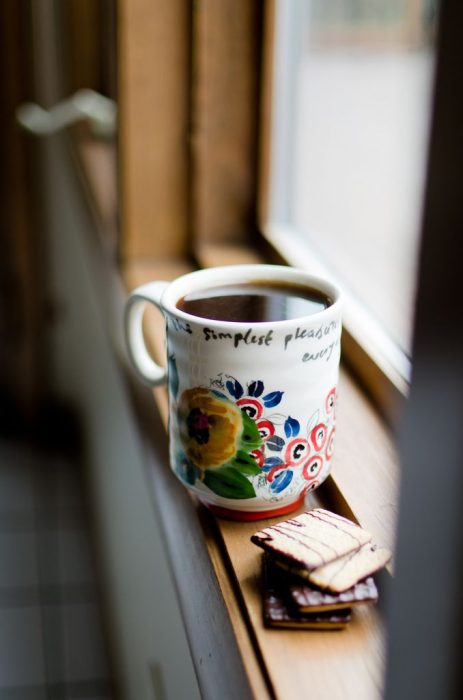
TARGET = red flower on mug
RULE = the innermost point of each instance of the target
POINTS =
(330, 444)
(296, 451)
(266, 429)
(259, 457)
(330, 401)
(318, 436)
(312, 467)
(310, 487)
(252, 407)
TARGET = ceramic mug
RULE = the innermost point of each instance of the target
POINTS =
(251, 405)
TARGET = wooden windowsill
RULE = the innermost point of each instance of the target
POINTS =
(362, 486)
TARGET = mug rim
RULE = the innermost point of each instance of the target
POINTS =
(235, 274)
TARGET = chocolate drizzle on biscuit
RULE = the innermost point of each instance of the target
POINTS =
(312, 539)
(329, 521)
(282, 530)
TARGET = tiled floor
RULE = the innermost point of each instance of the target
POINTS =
(51, 635)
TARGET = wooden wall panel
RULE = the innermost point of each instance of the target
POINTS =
(225, 100)
(153, 77)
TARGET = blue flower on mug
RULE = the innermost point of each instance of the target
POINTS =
(281, 481)
(279, 476)
(254, 401)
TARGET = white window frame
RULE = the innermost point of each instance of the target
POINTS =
(361, 329)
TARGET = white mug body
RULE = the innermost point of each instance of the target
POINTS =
(252, 406)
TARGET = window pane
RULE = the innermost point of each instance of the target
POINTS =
(362, 73)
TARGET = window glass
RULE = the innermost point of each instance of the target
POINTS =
(357, 118)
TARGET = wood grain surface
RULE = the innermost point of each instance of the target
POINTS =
(225, 112)
(153, 99)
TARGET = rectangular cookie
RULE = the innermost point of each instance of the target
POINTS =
(308, 599)
(279, 613)
(342, 574)
(311, 539)
(304, 597)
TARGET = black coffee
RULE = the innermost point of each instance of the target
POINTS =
(254, 302)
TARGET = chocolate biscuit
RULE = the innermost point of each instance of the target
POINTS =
(311, 539)
(278, 611)
(345, 572)
(307, 598)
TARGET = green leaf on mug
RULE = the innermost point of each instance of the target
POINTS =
(228, 483)
(245, 463)
(250, 437)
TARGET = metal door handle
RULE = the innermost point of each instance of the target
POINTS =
(99, 110)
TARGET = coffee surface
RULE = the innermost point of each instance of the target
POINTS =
(254, 302)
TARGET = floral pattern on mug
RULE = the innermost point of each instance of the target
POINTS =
(235, 443)
(295, 454)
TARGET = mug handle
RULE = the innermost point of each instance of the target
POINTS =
(147, 369)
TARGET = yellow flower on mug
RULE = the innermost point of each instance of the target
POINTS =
(210, 427)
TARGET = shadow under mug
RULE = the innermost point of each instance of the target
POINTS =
(251, 405)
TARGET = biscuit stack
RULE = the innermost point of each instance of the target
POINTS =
(317, 567)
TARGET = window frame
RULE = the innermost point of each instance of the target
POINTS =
(382, 367)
